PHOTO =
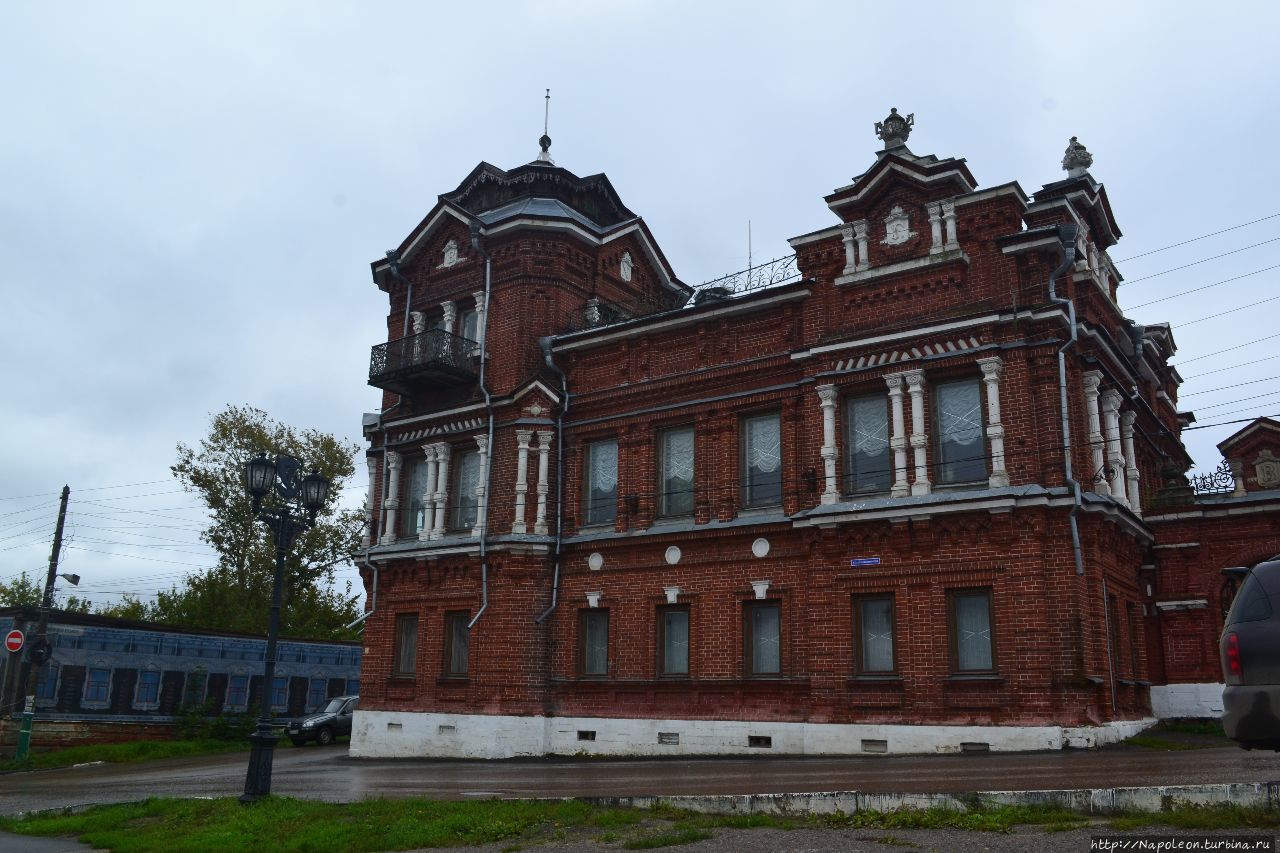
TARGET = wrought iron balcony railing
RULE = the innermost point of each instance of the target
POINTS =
(431, 357)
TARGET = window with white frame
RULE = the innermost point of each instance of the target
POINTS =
(147, 691)
(675, 465)
(762, 460)
(961, 452)
(867, 458)
(415, 517)
(601, 482)
(466, 478)
(762, 627)
(97, 685)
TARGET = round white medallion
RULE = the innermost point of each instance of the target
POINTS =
(595, 562)
(760, 547)
(673, 555)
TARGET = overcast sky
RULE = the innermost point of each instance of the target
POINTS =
(190, 194)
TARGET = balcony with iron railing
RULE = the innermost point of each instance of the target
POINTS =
(420, 362)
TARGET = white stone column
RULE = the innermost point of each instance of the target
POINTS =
(991, 369)
(827, 398)
(442, 489)
(1111, 431)
(1097, 481)
(860, 234)
(935, 227)
(850, 259)
(1131, 474)
(391, 503)
(949, 220)
(899, 439)
(450, 315)
(481, 315)
(369, 532)
(482, 507)
(522, 479)
(429, 492)
(544, 450)
(419, 322)
(919, 438)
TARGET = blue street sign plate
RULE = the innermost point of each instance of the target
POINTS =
(865, 561)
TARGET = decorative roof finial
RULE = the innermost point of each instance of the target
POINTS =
(895, 129)
(1077, 160)
(544, 156)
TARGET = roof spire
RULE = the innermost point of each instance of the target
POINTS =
(544, 156)
(1077, 160)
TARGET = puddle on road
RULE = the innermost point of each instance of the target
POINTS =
(486, 794)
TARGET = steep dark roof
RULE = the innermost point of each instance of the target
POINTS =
(591, 201)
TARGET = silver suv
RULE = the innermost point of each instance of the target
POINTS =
(1250, 650)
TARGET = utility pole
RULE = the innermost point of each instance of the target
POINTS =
(39, 652)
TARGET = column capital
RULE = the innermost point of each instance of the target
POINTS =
(430, 451)
(915, 380)
(419, 322)
(523, 436)
(1127, 417)
(394, 460)
(894, 381)
(991, 368)
(860, 228)
(1091, 380)
(935, 209)
(948, 207)
(482, 442)
(1111, 399)
(450, 312)
(827, 394)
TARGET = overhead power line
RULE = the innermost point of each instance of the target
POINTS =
(1230, 349)
(1225, 387)
(1232, 367)
(1194, 239)
(1228, 311)
(1197, 263)
(1203, 287)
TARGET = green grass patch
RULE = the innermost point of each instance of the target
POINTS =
(1153, 742)
(123, 753)
(1223, 816)
(1194, 727)
(298, 826)
(991, 819)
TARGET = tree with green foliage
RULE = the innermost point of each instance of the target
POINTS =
(235, 594)
(28, 591)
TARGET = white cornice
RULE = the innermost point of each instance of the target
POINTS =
(923, 177)
(815, 236)
(1012, 188)
(955, 255)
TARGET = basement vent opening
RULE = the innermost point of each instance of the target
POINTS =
(975, 746)
(669, 738)
(446, 730)
(586, 734)
(395, 725)
(875, 746)
(760, 741)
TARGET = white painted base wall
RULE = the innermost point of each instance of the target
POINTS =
(402, 734)
(1186, 700)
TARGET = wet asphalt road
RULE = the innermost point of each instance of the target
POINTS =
(326, 773)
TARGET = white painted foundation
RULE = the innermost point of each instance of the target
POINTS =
(402, 734)
(1186, 700)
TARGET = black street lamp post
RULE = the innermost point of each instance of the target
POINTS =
(286, 520)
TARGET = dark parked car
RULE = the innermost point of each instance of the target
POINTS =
(324, 725)
(1250, 649)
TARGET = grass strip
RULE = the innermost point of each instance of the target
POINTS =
(123, 753)
(166, 825)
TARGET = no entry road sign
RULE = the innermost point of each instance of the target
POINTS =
(13, 641)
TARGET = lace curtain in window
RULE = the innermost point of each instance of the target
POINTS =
(876, 622)
(973, 632)
(677, 472)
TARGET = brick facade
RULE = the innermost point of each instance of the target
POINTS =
(847, 480)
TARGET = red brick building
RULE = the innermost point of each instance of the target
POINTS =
(892, 494)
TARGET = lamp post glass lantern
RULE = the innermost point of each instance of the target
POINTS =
(293, 513)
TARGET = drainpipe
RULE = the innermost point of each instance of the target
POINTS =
(375, 530)
(1067, 236)
(374, 607)
(476, 246)
(545, 343)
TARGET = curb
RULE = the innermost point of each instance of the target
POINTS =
(1084, 800)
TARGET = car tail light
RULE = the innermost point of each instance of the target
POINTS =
(1235, 670)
